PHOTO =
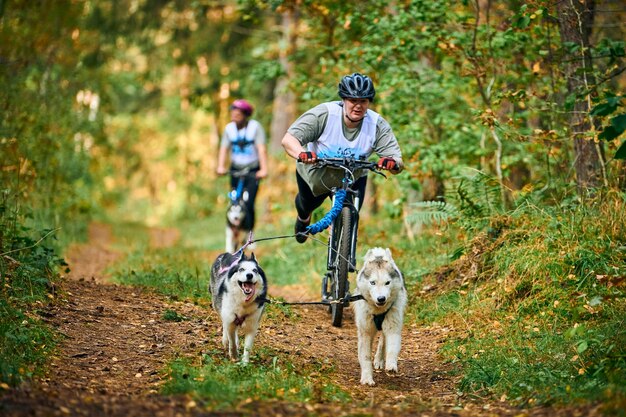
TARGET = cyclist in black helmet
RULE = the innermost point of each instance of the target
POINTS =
(336, 129)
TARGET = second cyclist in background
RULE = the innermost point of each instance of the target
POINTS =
(244, 143)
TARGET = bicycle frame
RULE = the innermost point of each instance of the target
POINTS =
(236, 194)
(342, 243)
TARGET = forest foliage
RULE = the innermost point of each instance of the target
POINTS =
(109, 101)
(108, 105)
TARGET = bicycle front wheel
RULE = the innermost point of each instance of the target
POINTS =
(340, 279)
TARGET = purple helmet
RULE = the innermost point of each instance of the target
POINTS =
(244, 106)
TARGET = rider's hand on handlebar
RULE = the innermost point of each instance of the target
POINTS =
(307, 157)
(387, 163)
(221, 171)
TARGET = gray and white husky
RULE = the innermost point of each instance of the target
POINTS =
(381, 284)
(239, 288)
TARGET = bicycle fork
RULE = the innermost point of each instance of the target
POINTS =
(333, 241)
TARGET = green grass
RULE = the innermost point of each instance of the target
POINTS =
(177, 282)
(287, 262)
(171, 315)
(180, 272)
(432, 311)
(541, 309)
(221, 384)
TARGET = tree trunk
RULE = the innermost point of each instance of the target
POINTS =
(575, 23)
(284, 106)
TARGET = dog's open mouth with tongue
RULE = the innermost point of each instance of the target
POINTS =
(248, 288)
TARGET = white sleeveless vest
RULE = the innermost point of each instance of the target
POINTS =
(246, 154)
(333, 144)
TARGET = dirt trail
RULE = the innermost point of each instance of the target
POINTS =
(117, 344)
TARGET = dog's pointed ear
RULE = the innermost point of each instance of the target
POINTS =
(252, 257)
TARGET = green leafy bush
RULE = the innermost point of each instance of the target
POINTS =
(28, 279)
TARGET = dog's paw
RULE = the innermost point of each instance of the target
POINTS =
(367, 378)
(243, 363)
(367, 381)
(379, 363)
(391, 367)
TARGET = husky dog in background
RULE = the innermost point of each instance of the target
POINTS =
(236, 222)
(239, 288)
(381, 284)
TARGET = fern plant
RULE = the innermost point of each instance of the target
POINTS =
(471, 201)
(432, 212)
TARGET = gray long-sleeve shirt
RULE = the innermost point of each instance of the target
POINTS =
(310, 126)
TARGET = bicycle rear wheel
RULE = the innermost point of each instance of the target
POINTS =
(340, 274)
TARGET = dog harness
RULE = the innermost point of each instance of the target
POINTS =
(236, 258)
(379, 318)
(239, 320)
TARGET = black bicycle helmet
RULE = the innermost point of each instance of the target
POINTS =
(357, 86)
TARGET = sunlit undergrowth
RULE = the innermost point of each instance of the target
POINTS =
(158, 258)
(181, 269)
(177, 273)
(220, 384)
(539, 306)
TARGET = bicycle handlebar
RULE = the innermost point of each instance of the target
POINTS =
(350, 164)
(241, 172)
